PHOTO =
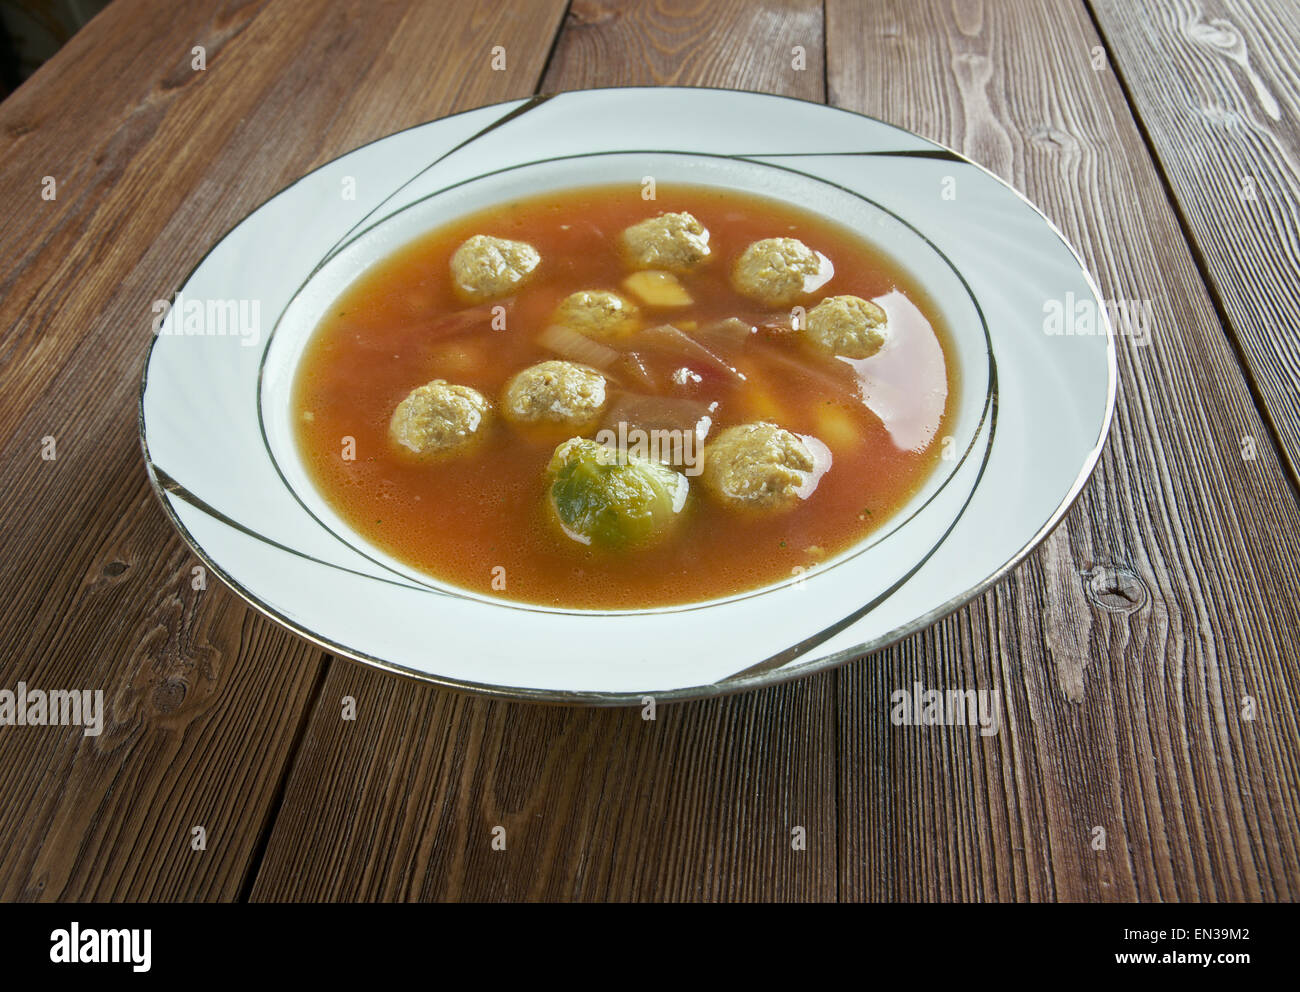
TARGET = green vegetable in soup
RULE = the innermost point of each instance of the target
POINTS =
(611, 498)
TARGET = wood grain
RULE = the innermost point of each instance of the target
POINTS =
(206, 698)
(97, 591)
(700, 803)
(1124, 647)
(1216, 85)
(736, 44)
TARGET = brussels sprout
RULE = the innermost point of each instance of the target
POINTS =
(611, 498)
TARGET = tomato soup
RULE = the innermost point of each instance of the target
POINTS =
(699, 357)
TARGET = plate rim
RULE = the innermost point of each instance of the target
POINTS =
(730, 685)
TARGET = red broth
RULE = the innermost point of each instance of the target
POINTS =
(479, 520)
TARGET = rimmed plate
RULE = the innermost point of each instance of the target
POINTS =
(1035, 403)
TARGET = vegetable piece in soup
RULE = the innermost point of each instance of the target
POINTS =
(658, 289)
(613, 498)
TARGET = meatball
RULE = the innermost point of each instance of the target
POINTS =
(484, 268)
(777, 271)
(598, 313)
(611, 498)
(848, 326)
(439, 418)
(757, 465)
(676, 242)
(555, 393)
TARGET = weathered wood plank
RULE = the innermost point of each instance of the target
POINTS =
(736, 44)
(596, 804)
(403, 802)
(1124, 648)
(205, 698)
(1216, 87)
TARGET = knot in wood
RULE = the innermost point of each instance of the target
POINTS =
(1115, 588)
(1052, 137)
(169, 694)
(584, 13)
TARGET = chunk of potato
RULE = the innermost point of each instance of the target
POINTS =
(837, 427)
(657, 289)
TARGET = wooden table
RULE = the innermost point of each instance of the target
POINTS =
(1146, 653)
